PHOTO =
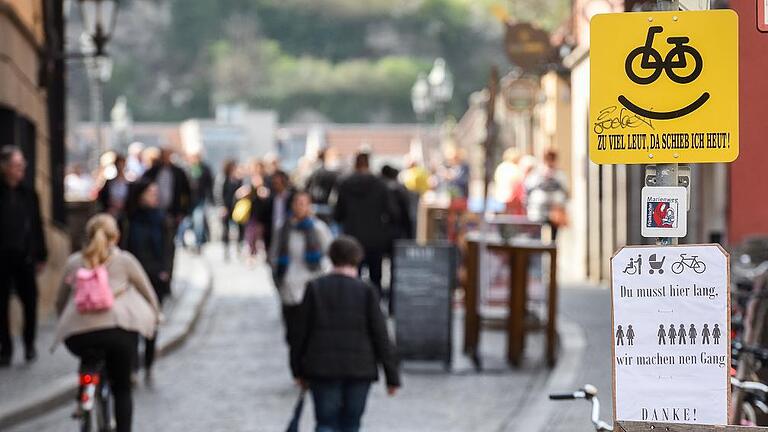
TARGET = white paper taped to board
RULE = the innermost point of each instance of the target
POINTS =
(671, 324)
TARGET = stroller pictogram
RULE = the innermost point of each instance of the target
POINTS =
(656, 265)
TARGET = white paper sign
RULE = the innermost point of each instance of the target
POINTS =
(665, 212)
(671, 328)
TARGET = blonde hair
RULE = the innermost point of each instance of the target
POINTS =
(101, 233)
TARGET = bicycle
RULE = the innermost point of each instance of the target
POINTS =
(675, 59)
(756, 395)
(692, 263)
(589, 393)
(94, 398)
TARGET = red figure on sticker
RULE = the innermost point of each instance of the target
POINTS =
(663, 215)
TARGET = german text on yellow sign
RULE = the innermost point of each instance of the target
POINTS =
(664, 87)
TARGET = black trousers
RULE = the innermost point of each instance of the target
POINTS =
(18, 276)
(372, 261)
(226, 227)
(116, 347)
(291, 320)
(150, 344)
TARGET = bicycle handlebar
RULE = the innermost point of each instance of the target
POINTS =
(588, 393)
(563, 396)
(750, 386)
(751, 273)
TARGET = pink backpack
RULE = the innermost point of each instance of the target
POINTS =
(92, 290)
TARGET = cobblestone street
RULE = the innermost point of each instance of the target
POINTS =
(232, 376)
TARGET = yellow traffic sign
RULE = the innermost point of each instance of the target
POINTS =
(664, 87)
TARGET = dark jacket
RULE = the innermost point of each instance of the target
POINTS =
(365, 210)
(341, 333)
(144, 235)
(104, 197)
(402, 223)
(30, 241)
(201, 184)
(182, 195)
(263, 210)
(229, 189)
(321, 184)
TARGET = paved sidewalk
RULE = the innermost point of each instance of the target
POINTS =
(29, 389)
(584, 358)
(232, 375)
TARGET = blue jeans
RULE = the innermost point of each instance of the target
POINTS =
(339, 404)
(196, 222)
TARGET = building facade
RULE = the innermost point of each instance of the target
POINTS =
(32, 115)
(747, 212)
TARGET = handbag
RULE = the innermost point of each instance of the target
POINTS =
(293, 426)
(242, 211)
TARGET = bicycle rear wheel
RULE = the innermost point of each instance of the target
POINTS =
(86, 421)
(748, 415)
(677, 268)
(699, 267)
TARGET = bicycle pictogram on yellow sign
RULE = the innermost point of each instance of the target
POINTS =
(664, 87)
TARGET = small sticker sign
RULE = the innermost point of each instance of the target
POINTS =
(671, 327)
(664, 212)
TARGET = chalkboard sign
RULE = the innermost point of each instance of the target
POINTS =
(424, 279)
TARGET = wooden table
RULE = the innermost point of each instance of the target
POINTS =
(519, 253)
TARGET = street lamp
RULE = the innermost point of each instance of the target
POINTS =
(420, 97)
(430, 93)
(99, 18)
(440, 82)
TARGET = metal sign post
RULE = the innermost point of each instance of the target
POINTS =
(664, 91)
(666, 174)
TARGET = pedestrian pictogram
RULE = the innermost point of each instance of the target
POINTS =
(664, 87)
(621, 334)
(680, 336)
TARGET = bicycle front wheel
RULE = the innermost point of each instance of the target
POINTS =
(681, 52)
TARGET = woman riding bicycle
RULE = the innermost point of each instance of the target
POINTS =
(111, 331)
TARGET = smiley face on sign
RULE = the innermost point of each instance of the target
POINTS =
(671, 81)
(675, 59)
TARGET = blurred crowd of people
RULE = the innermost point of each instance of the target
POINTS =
(156, 196)
(537, 190)
(319, 226)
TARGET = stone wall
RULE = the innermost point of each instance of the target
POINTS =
(20, 91)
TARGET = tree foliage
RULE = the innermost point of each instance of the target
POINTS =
(349, 60)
